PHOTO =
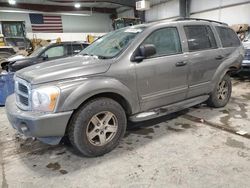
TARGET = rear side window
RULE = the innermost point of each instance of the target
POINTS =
(200, 37)
(166, 41)
(74, 49)
(228, 37)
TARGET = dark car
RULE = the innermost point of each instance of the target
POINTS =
(46, 53)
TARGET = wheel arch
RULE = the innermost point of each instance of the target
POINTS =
(111, 95)
(78, 94)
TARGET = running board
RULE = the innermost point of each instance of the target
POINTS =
(164, 110)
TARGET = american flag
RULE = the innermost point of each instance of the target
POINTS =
(46, 24)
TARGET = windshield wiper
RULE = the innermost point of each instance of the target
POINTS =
(98, 56)
(103, 57)
(85, 54)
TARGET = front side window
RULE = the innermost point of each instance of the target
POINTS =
(57, 51)
(200, 37)
(166, 41)
(228, 37)
(113, 43)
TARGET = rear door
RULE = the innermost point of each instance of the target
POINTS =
(162, 78)
(204, 58)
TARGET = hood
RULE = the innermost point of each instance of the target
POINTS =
(66, 68)
(17, 63)
(16, 57)
(19, 59)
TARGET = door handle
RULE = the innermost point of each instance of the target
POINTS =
(220, 57)
(181, 63)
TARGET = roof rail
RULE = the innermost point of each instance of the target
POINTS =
(200, 19)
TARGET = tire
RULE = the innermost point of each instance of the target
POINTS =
(90, 134)
(221, 94)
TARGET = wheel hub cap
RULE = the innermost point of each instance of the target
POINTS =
(102, 128)
(222, 90)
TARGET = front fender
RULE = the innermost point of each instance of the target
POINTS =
(74, 94)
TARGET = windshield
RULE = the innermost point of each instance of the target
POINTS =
(113, 43)
(37, 51)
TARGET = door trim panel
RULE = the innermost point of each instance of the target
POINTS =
(164, 93)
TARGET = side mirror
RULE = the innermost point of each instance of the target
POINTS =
(144, 51)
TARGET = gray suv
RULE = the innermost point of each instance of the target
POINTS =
(134, 73)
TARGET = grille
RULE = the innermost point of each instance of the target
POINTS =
(24, 100)
(23, 88)
(247, 54)
(22, 94)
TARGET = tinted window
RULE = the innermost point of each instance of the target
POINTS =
(57, 51)
(73, 49)
(228, 37)
(200, 37)
(166, 41)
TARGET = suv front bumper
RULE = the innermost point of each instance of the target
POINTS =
(47, 127)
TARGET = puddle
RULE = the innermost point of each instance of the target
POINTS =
(61, 153)
(128, 143)
(63, 171)
(179, 127)
(143, 131)
(234, 143)
(246, 96)
(54, 166)
(242, 154)
(233, 113)
(224, 111)
(186, 125)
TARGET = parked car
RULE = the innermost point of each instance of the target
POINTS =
(43, 54)
(245, 66)
(134, 73)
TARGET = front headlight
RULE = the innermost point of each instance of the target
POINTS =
(45, 98)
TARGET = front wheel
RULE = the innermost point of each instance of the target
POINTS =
(221, 94)
(97, 127)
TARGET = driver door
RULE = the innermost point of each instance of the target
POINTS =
(162, 78)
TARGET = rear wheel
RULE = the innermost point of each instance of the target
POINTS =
(221, 94)
(97, 127)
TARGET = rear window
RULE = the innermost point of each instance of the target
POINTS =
(228, 37)
(200, 37)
